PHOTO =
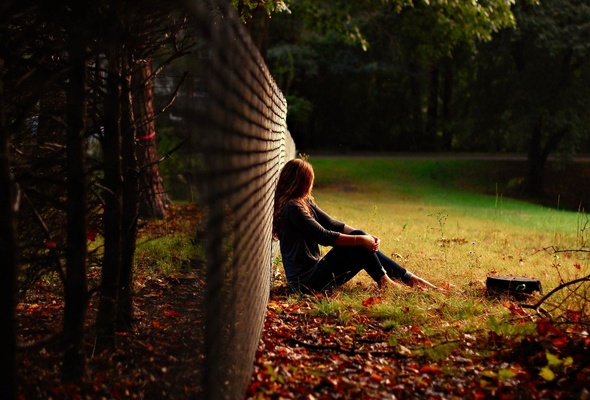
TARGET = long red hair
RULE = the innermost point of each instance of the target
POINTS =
(295, 182)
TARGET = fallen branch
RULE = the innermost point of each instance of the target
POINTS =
(552, 292)
(340, 349)
(556, 250)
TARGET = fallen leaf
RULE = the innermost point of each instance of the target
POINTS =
(559, 342)
(371, 301)
(547, 374)
(431, 369)
(91, 234)
(171, 313)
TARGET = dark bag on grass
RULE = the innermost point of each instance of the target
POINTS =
(516, 286)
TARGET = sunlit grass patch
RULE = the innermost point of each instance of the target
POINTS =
(167, 255)
(332, 308)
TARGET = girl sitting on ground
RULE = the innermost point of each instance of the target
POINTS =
(301, 227)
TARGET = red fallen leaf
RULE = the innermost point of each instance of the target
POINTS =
(331, 381)
(574, 315)
(376, 377)
(413, 368)
(51, 244)
(171, 313)
(415, 329)
(514, 308)
(371, 301)
(91, 234)
(431, 369)
(544, 327)
(447, 285)
(479, 395)
(156, 324)
(559, 342)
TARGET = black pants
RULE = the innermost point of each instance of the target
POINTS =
(342, 263)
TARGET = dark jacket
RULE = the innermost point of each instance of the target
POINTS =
(300, 236)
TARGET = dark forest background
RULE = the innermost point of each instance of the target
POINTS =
(435, 77)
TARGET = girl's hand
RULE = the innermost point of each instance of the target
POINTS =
(376, 244)
(370, 242)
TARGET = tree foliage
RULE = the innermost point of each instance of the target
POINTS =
(246, 8)
(528, 89)
(436, 75)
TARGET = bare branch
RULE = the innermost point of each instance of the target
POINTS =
(171, 100)
(555, 290)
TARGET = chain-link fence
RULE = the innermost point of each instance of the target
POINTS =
(241, 140)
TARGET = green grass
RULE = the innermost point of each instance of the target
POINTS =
(447, 221)
(167, 255)
(467, 188)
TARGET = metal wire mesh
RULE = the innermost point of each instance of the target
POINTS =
(240, 130)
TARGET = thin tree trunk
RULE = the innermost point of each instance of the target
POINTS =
(432, 112)
(415, 107)
(536, 175)
(8, 255)
(447, 100)
(153, 198)
(130, 211)
(111, 265)
(538, 155)
(536, 163)
(76, 285)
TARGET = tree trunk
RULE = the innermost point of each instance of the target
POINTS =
(536, 175)
(76, 285)
(153, 198)
(130, 211)
(432, 113)
(111, 265)
(447, 99)
(415, 107)
(536, 162)
(259, 28)
(539, 154)
(8, 255)
(48, 127)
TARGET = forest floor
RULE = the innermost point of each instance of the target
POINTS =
(159, 359)
(297, 357)
(302, 356)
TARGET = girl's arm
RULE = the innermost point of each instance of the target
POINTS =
(368, 241)
(348, 229)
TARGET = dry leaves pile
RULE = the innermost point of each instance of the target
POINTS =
(302, 356)
(160, 359)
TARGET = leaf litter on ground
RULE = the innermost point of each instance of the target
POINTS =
(306, 355)
(303, 353)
